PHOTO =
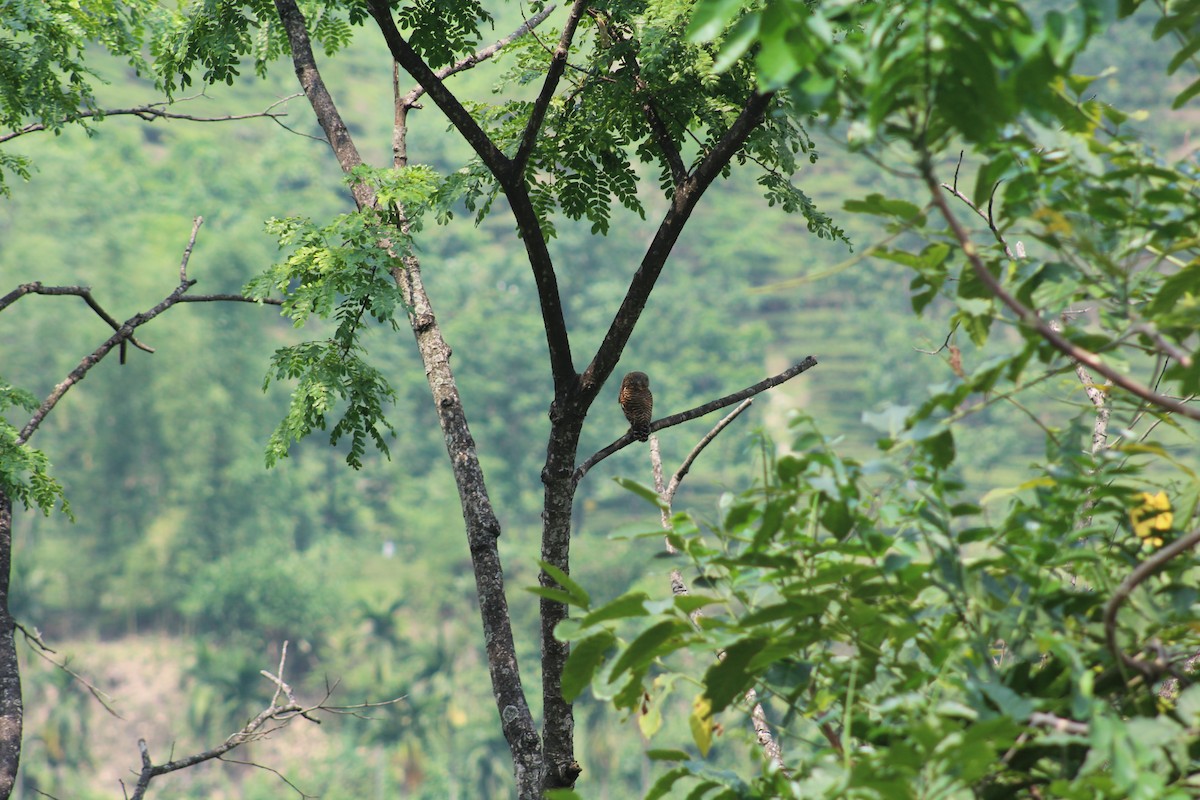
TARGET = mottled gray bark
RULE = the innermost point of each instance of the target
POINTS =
(11, 709)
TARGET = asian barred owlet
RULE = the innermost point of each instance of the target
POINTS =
(637, 403)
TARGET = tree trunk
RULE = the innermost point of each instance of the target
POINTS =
(11, 710)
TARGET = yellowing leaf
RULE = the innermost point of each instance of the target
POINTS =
(701, 723)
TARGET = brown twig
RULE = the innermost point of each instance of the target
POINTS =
(1143, 571)
(123, 333)
(272, 718)
(693, 413)
(149, 112)
(43, 650)
(986, 217)
(483, 54)
(1031, 318)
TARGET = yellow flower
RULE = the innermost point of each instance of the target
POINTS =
(1154, 514)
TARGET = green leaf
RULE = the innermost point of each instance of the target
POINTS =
(631, 604)
(701, 723)
(642, 491)
(577, 595)
(649, 644)
(586, 657)
(882, 206)
(727, 679)
(1187, 94)
(710, 18)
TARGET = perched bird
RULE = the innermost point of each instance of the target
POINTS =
(637, 403)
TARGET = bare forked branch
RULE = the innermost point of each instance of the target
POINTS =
(123, 333)
(758, 716)
(85, 292)
(275, 716)
(698, 411)
(44, 651)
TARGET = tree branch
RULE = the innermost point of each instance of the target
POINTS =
(272, 718)
(124, 332)
(758, 716)
(79, 291)
(684, 201)
(319, 98)
(460, 118)
(1143, 571)
(148, 112)
(511, 181)
(483, 54)
(698, 411)
(658, 128)
(1030, 317)
(558, 62)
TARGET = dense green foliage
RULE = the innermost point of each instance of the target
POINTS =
(914, 636)
(904, 575)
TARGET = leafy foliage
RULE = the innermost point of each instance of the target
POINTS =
(901, 637)
(25, 471)
(341, 270)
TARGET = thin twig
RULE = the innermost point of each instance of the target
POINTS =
(42, 649)
(988, 218)
(758, 715)
(1031, 318)
(693, 413)
(272, 718)
(483, 54)
(149, 112)
(123, 333)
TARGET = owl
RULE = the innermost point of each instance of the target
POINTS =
(637, 403)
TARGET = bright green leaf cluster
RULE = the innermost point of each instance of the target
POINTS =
(25, 471)
(343, 270)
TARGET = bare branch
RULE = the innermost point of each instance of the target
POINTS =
(34, 639)
(686, 466)
(1143, 571)
(698, 411)
(79, 291)
(988, 218)
(272, 718)
(1040, 719)
(1172, 350)
(483, 54)
(148, 112)
(1031, 318)
(758, 716)
(123, 333)
(230, 298)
